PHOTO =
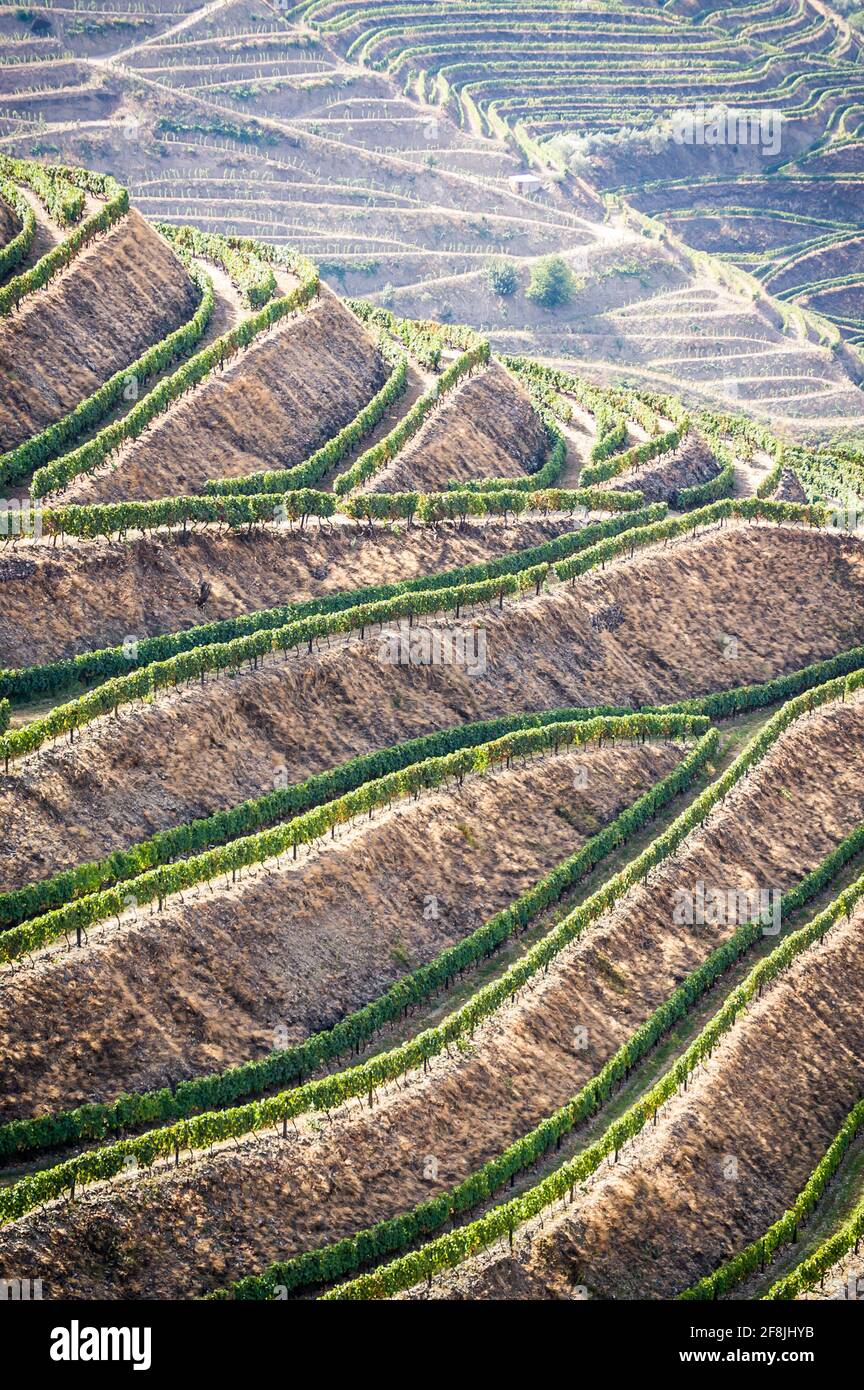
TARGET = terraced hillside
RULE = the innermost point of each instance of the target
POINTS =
(433, 796)
(708, 217)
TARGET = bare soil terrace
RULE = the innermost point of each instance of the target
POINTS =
(726, 1159)
(185, 1230)
(206, 983)
(693, 462)
(288, 393)
(90, 322)
(57, 602)
(788, 596)
(486, 428)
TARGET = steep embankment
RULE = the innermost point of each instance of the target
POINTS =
(734, 606)
(693, 462)
(57, 602)
(121, 294)
(727, 1157)
(290, 391)
(487, 428)
(231, 1212)
(206, 983)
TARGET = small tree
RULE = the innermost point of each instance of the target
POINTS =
(501, 277)
(552, 283)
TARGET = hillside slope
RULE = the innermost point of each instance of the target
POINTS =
(284, 396)
(120, 295)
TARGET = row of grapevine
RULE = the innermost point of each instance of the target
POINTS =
(627, 403)
(91, 667)
(118, 518)
(785, 1231)
(255, 646)
(95, 451)
(647, 407)
(36, 451)
(817, 1265)
(701, 494)
(19, 904)
(348, 1037)
(332, 1090)
(158, 1107)
(116, 205)
(63, 200)
(634, 457)
(423, 339)
(344, 1257)
(17, 247)
(546, 476)
(241, 257)
(157, 884)
(450, 1250)
(611, 433)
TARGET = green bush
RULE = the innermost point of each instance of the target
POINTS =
(501, 277)
(552, 283)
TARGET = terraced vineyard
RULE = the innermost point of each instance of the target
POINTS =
(430, 759)
(708, 218)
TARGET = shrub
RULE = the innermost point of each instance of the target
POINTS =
(501, 277)
(552, 283)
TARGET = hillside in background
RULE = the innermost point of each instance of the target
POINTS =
(404, 147)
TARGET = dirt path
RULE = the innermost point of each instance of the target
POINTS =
(749, 474)
(270, 1198)
(580, 434)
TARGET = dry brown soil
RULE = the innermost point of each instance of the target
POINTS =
(235, 1210)
(56, 602)
(726, 1159)
(119, 296)
(272, 406)
(205, 983)
(485, 428)
(786, 596)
